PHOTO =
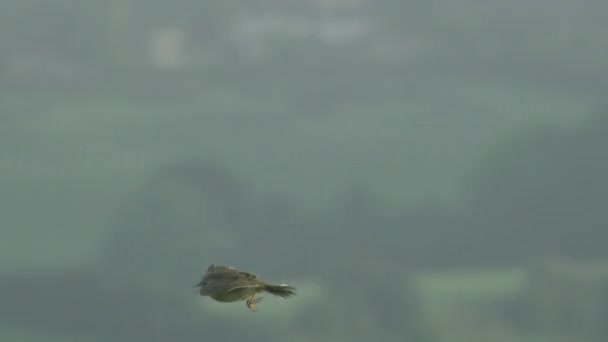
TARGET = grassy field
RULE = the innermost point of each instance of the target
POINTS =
(471, 305)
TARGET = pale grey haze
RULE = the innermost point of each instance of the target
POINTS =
(396, 161)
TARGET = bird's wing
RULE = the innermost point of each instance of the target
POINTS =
(230, 270)
(243, 287)
(214, 268)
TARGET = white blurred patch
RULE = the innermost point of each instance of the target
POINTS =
(167, 47)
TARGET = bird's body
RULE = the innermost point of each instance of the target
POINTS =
(228, 284)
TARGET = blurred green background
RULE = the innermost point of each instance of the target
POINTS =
(424, 171)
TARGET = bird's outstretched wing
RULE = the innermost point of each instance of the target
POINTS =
(240, 287)
(217, 268)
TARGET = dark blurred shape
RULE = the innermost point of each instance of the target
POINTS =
(76, 304)
(544, 193)
(185, 214)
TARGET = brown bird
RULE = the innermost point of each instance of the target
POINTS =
(228, 284)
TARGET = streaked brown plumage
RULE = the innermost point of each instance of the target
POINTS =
(228, 284)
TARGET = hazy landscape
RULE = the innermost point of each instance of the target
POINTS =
(424, 171)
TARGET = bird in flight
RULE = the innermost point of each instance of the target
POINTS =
(228, 284)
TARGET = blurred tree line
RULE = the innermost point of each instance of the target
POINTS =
(541, 194)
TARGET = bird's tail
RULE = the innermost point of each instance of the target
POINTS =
(282, 290)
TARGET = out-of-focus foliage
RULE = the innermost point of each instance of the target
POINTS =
(545, 193)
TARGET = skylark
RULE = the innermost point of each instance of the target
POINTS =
(228, 284)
